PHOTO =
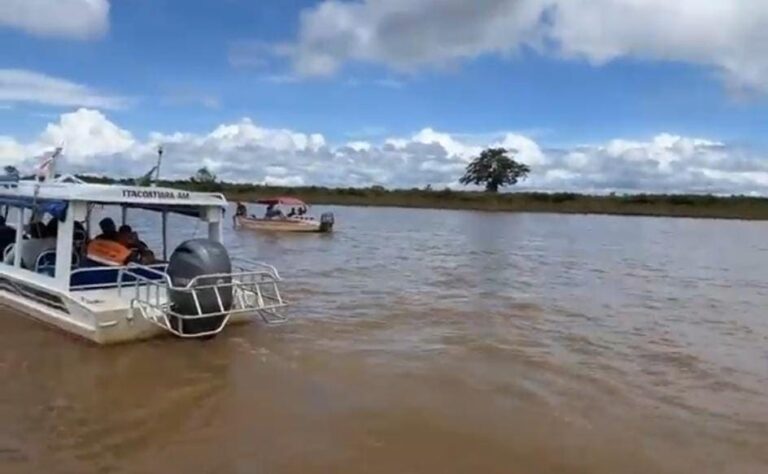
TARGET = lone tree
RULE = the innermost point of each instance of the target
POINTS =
(204, 176)
(494, 169)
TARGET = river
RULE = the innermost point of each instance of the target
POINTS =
(428, 341)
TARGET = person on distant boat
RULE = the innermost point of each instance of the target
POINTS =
(273, 212)
(302, 211)
(7, 235)
(240, 211)
(292, 213)
(108, 229)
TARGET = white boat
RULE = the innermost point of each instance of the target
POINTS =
(196, 292)
(276, 219)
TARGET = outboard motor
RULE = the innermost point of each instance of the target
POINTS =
(326, 222)
(191, 259)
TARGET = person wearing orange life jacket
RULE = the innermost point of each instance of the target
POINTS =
(108, 252)
(108, 229)
(130, 239)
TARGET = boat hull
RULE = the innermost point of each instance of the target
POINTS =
(282, 225)
(99, 316)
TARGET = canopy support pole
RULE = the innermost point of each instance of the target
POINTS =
(89, 208)
(64, 246)
(123, 214)
(165, 236)
(19, 237)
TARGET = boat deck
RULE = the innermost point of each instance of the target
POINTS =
(108, 299)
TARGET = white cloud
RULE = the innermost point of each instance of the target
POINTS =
(360, 146)
(19, 85)
(246, 152)
(410, 34)
(74, 19)
(452, 146)
(284, 181)
(528, 150)
(11, 151)
(407, 34)
(86, 133)
(246, 133)
(727, 34)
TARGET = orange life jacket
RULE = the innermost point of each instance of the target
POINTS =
(108, 252)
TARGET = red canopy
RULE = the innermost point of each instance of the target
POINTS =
(282, 200)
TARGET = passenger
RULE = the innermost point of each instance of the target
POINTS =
(36, 230)
(31, 248)
(130, 239)
(51, 229)
(7, 235)
(241, 210)
(79, 238)
(273, 212)
(146, 257)
(124, 235)
(302, 210)
(107, 252)
(79, 231)
(292, 213)
(108, 229)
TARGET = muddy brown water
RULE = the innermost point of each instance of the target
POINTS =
(429, 341)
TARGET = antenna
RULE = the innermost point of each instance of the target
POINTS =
(159, 160)
(47, 168)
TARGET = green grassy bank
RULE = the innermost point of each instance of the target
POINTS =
(736, 207)
(672, 205)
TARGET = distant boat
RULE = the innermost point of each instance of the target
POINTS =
(276, 219)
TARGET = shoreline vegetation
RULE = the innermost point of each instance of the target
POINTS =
(660, 205)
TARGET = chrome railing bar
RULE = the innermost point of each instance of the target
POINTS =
(197, 302)
(218, 298)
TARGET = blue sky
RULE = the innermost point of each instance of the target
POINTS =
(375, 71)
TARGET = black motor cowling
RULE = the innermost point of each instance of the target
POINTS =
(191, 259)
(326, 222)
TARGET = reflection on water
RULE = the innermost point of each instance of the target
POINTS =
(430, 341)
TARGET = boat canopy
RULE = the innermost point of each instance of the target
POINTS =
(53, 198)
(57, 209)
(283, 201)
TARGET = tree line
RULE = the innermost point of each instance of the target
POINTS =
(493, 168)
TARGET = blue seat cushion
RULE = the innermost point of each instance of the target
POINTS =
(95, 275)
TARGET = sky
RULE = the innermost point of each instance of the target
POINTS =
(594, 95)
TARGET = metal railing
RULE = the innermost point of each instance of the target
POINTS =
(108, 283)
(251, 288)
